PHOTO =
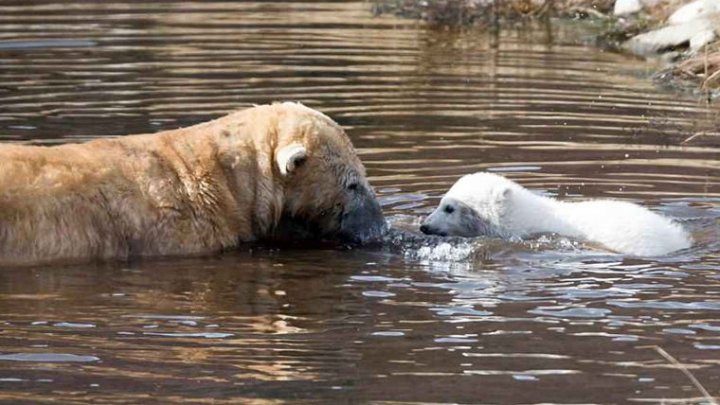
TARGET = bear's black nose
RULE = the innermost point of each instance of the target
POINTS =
(425, 229)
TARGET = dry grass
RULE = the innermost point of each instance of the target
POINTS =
(672, 360)
(602, 6)
(703, 68)
(467, 12)
(662, 10)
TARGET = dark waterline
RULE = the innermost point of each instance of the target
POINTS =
(547, 320)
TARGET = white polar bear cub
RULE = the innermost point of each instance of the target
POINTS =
(489, 204)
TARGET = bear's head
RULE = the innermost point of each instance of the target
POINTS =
(326, 193)
(475, 205)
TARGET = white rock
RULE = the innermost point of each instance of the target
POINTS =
(624, 7)
(701, 39)
(694, 10)
(696, 33)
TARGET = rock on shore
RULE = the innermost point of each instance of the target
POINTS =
(691, 27)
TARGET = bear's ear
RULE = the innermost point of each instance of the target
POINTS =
(289, 157)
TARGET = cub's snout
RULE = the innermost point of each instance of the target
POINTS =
(429, 230)
(452, 217)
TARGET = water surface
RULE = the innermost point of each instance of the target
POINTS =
(547, 320)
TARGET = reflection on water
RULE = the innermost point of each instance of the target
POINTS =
(468, 321)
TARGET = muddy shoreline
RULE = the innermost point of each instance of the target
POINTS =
(680, 33)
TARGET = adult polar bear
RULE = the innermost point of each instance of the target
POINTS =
(240, 178)
(489, 204)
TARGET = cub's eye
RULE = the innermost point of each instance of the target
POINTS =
(449, 209)
(352, 186)
(299, 161)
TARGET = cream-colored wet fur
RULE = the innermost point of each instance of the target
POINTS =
(193, 190)
(506, 209)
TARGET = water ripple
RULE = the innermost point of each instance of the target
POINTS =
(420, 319)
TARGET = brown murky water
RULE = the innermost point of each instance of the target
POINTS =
(478, 322)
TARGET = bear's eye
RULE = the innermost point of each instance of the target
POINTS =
(352, 186)
(449, 209)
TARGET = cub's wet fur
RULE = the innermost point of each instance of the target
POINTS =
(489, 204)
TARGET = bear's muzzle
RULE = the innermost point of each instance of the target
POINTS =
(362, 220)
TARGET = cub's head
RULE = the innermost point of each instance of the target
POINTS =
(475, 205)
(326, 193)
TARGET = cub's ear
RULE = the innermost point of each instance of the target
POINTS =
(289, 157)
(502, 194)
